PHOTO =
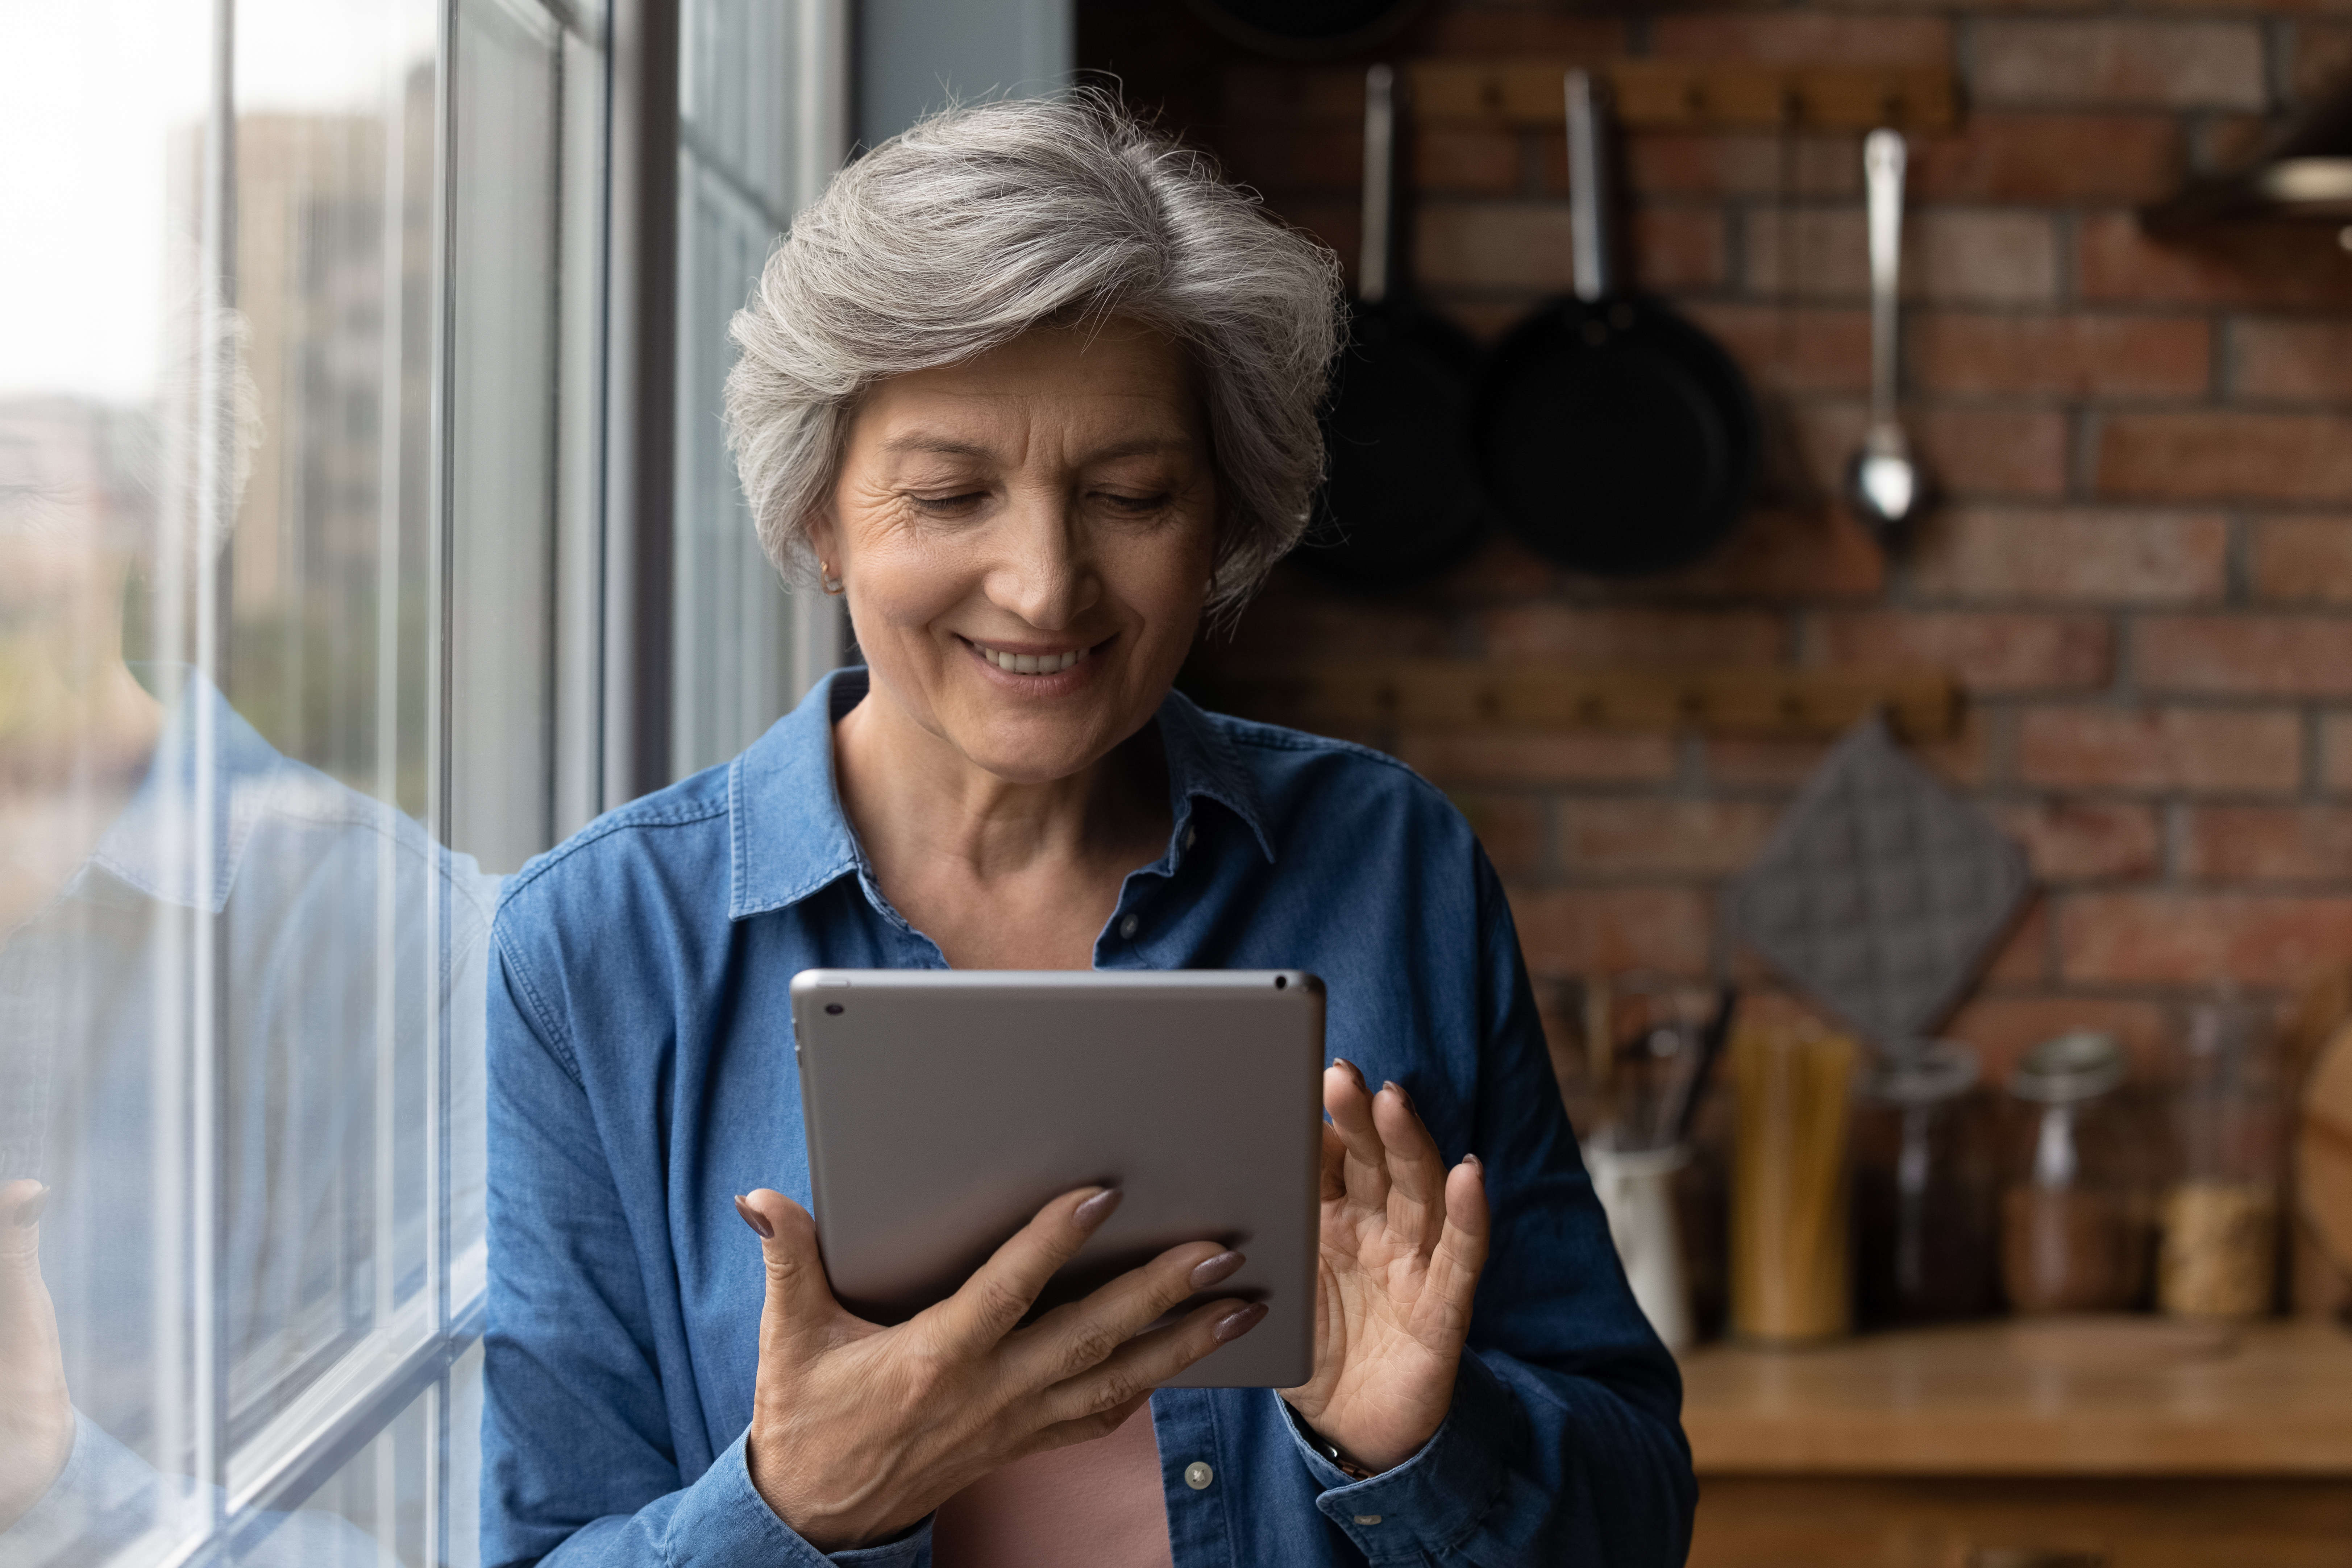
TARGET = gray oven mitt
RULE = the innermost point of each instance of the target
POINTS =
(1880, 892)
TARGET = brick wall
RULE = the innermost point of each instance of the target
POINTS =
(2142, 567)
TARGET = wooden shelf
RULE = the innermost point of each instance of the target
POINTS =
(1438, 695)
(1965, 1401)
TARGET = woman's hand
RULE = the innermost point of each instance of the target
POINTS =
(1403, 1240)
(37, 1419)
(859, 1431)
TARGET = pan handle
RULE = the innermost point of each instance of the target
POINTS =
(1882, 157)
(1593, 244)
(1380, 184)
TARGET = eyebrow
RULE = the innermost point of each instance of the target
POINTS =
(941, 446)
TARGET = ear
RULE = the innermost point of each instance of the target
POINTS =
(825, 535)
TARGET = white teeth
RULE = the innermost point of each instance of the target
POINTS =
(1033, 663)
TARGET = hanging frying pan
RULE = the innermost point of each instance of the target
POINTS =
(1307, 29)
(1402, 500)
(1613, 436)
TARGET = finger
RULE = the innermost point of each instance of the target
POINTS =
(1416, 1204)
(1348, 1102)
(30, 1359)
(37, 1419)
(1334, 1164)
(799, 1314)
(1001, 1290)
(21, 1203)
(1143, 1363)
(1068, 1339)
(1085, 1428)
(1461, 1254)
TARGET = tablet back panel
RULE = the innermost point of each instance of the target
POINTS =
(944, 1108)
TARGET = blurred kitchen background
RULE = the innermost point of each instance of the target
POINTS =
(2119, 634)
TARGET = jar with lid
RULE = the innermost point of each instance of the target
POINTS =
(2218, 1222)
(2074, 1211)
(1924, 1186)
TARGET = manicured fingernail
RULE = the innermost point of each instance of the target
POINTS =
(1401, 1093)
(1476, 1164)
(1233, 1325)
(1353, 1070)
(1096, 1209)
(28, 1213)
(756, 1220)
(1221, 1266)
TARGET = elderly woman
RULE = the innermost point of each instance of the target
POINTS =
(1037, 392)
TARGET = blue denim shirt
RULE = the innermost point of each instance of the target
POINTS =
(641, 1074)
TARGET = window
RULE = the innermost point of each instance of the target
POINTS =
(349, 555)
(749, 156)
(309, 577)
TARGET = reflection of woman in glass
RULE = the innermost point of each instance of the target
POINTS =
(185, 899)
(1038, 392)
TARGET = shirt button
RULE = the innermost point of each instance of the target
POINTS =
(1368, 1518)
(1127, 928)
(1197, 1475)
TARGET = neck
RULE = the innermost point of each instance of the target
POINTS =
(1000, 874)
(78, 740)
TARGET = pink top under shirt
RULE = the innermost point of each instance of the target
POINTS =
(1091, 1505)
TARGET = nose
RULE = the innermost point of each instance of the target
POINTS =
(1044, 571)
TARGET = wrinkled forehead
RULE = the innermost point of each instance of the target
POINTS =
(1086, 392)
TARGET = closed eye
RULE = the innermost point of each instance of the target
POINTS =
(955, 505)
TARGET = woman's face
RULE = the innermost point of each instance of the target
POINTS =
(1026, 540)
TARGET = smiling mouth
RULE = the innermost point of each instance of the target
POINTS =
(1031, 663)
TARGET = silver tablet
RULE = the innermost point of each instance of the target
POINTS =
(944, 1108)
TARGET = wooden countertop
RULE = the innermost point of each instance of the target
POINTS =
(1970, 1402)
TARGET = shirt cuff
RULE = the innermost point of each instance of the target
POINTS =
(1426, 1505)
(99, 1502)
(722, 1521)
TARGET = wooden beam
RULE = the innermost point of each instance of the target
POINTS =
(1694, 95)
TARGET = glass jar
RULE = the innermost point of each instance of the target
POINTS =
(1924, 1187)
(2217, 1254)
(2073, 1219)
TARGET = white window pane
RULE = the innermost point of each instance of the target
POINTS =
(240, 968)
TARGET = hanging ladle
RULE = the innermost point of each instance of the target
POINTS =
(1883, 485)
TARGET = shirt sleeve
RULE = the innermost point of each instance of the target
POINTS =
(579, 1461)
(107, 1498)
(99, 1502)
(1564, 1443)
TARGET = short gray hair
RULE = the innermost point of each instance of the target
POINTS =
(980, 223)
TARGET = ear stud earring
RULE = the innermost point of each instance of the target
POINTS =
(826, 580)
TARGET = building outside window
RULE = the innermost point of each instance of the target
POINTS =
(321, 518)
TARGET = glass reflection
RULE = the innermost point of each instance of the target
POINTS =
(240, 985)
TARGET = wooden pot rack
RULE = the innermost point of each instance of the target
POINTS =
(1437, 695)
(1658, 95)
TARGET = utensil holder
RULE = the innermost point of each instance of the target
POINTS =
(1637, 1188)
(1792, 1261)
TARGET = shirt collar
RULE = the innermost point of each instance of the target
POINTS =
(207, 758)
(789, 836)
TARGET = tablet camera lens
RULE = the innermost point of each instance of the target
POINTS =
(833, 1007)
(1282, 982)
